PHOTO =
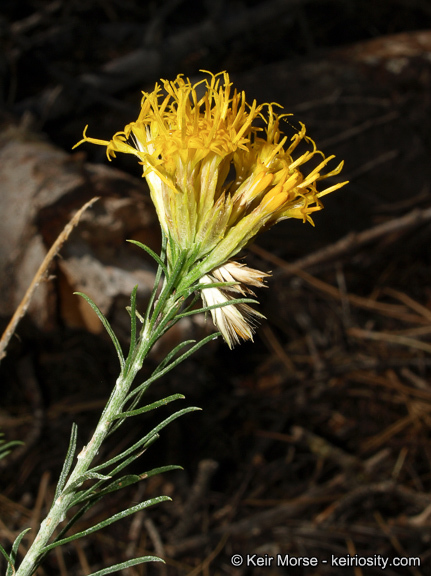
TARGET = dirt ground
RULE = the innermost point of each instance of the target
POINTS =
(311, 455)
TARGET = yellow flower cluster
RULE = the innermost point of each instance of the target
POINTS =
(217, 178)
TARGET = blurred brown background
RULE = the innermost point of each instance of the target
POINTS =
(314, 440)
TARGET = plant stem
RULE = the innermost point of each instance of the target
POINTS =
(164, 312)
(60, 507)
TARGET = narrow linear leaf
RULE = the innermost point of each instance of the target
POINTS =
(122, 482)
(67, 461)
(132, 326)
(162, 364)
(174, 248)
(191, 261)
(11, 559)
(94, 491)
(192, 350)
(4, 452)
(8, 560)
(108, 522)
(6, 449)
(90, 497)
(171, 354)
(234, 301)
(161, 470)
(121, 417)
(157, 279)
(199, 287)
(95, 476)
(93, 494)
(107, 327)
(131, 479)
(167, 289)
(146, 440)
(132, 405)
(126, 564)
(169, 319)
(151, 253)
(149, 441)
(150, 407)
(158, 374)
(69, 524)
(192, 301)
(87, 476)
(170, 419)
(86, 497)
(137, 446)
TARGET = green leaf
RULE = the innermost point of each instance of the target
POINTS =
(107, 327)
(125, 458)
(170, 317)
(191, 302)
(186, 292)
(150, 407)
(88, 498)
(69, 524)
(95, 476)
(67, 461)
(8, 559)
(221, 305)
(5, 448)
(11, 559)
(161, 470)
(143, 442)
(149, 441)
(87, 476)
(126, 564)
(131, 479)
(120, 483)
(137, 446)
(132, 327)
(171, 354)
(93, 495)
(169, 286)
(159, 373)
(152, 254)
(192, 256)
(157, 279)
(170, 419)
(107, 522)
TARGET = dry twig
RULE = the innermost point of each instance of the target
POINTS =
(355, 240)
(40, 275)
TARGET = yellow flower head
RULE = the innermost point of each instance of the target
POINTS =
(216, 178)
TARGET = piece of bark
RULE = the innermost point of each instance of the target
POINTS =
(41, 187)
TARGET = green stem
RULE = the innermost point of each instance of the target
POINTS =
(165, 311)
(60, 507)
